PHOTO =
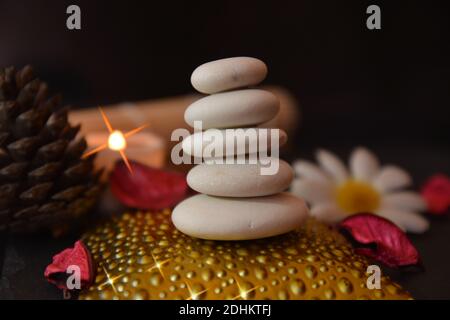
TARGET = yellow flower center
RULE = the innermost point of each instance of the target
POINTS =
(356, 196)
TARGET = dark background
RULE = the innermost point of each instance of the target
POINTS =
(388, 89)
(352, 82)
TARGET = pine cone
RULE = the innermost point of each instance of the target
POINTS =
(44, 181)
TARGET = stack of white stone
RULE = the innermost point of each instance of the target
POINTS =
(236, 202)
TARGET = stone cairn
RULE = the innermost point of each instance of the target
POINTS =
(236, 201)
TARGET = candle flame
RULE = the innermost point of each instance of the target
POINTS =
(116, 141)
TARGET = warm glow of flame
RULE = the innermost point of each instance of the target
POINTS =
(116, 141)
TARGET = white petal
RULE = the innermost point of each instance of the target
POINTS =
(406, 200)
(306, 169)
(364, 164)
(391, 178)
(409, 221)
(312, 191)
(332, 165)
(328, 213)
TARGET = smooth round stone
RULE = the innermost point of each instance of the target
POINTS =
(227, 74)
(233, 109)
(200, 143)
(239, 180)
(218, 218)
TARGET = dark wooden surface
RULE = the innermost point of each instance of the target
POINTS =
(26, 257)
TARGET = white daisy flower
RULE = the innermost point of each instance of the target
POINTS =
(335, 193)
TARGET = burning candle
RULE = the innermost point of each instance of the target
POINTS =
(116, 141)
(142, 146)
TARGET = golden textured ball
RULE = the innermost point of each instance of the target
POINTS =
(142, 256)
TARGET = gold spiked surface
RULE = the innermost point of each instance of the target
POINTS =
(142, 256)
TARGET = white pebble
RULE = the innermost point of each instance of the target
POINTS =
(246, 141)
(233, 109)
(239, 180)
(217, 218)
(227, 74)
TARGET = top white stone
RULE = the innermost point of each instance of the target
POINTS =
(227, 74)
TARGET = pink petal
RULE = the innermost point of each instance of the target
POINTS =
(146, 187)
(381, 240)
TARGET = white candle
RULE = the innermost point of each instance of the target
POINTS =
(144, 147)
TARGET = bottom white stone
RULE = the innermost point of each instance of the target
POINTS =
(217, 218)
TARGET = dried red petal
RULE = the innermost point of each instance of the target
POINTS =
(436, 192)
(381, 239)
(62, 267)
(146, 187)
